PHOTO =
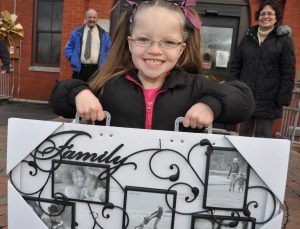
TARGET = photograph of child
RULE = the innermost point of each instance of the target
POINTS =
(226, 179)
(92, 190)
(53, 214)
(80, 181)
(147, 208)
(76, 178)
(157, 215)
(241, 180)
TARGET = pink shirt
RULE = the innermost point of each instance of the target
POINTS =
(150, 95)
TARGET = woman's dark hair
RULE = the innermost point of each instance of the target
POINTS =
(273, 5)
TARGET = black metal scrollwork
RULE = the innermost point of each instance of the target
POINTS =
(49, 150)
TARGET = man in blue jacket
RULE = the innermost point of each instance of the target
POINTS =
(87, 47)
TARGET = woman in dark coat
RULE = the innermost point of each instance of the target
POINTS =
(265, 61)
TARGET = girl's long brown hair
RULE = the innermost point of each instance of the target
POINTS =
(119, 59)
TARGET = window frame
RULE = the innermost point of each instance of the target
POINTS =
(36, 32)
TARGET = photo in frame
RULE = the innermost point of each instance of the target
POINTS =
(226, 180)
(80, 181)
(54, 214)
(221, 222)
(147, 208)
(159, 160)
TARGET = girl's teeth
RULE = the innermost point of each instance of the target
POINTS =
(154, 62)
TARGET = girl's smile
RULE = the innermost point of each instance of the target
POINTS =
(156, 47)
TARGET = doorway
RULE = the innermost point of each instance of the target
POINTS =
(219, 38)
(224, 23)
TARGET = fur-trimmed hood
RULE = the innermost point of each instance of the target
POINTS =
(281, 30)
(284, 30)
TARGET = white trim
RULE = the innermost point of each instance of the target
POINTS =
(44, 69)
(29, 101)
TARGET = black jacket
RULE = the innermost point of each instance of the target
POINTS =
(269, 70)
(4, 56)
(231, 102)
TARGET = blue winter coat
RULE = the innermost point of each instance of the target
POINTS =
(73, 47)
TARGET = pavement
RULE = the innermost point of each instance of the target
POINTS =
(42, 111)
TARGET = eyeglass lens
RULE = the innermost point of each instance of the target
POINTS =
(146, 42)
(266, 13)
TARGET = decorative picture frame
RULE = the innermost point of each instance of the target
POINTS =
(54, 214)
(226, 180)
(147, 208)
(221, 222)
(159, 160)
(80, 181)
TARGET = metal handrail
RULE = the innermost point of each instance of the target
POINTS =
(289, 121)
(5, 85)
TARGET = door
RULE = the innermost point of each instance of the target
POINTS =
(218, 43)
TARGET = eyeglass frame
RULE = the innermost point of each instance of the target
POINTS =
(160, 42)
(266, 14)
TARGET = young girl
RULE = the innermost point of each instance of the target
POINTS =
(90, 191)
(145, 83)
(241, 179)
(77, 181)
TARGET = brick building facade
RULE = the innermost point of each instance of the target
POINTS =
(35, 82)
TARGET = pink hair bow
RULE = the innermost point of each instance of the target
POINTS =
(183, 5)
(191, 17)
(134, 6)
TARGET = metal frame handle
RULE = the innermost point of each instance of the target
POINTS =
(179, 120)
(107, 118)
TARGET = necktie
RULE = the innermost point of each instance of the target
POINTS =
(88, 45)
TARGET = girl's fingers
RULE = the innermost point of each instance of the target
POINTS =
(186, 122)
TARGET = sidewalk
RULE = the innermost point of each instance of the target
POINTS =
(44, 112)
(18, 110)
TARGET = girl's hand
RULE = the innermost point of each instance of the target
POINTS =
(198, 116)
(88, 106)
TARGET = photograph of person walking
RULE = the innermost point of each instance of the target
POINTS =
(226, 179)
(233, 172)
(265, 61)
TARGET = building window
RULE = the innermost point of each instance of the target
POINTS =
(47, 32)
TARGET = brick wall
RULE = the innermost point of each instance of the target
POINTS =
(72, 17)
(37, 85)
(28, 84)
(292, 18)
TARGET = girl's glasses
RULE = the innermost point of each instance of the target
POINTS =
(262, 14)
(147, 42)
